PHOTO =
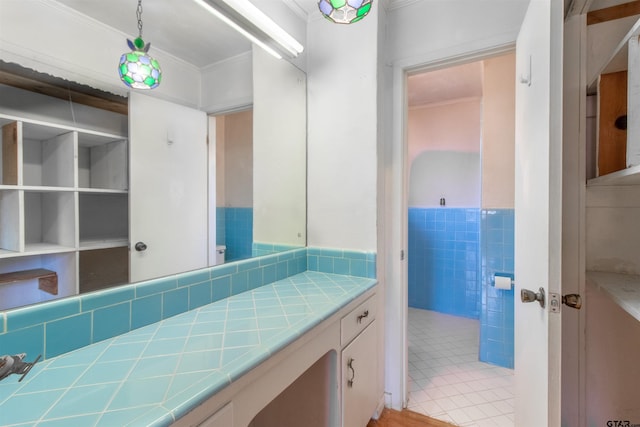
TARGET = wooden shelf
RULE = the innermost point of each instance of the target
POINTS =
(47, 279)
(629, 176)
(623, 289)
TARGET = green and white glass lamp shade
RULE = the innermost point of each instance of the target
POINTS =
(345, 11)
(137, 68)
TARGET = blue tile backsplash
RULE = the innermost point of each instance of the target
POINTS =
(352, 263)
(444, 260)
(497, 314)
(60, 326)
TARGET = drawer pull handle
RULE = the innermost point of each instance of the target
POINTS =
(362, 316)
(353, 372)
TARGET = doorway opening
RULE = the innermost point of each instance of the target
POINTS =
(233, 186)
(460, 175)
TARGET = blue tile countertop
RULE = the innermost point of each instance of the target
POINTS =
(158, 373)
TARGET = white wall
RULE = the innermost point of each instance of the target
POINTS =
(450, 126)
(342, 141)
(227, 85)
(425, 31)
(454, 176)
(279, 152)
(51, 38)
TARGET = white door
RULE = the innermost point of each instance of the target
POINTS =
(167, 189)
(538, 212)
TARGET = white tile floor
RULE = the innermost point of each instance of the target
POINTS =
(447, 382)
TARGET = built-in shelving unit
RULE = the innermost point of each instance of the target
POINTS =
(624, 56)
(63, 190)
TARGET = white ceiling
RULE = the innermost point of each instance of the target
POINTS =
(183, 28)
(179, 27)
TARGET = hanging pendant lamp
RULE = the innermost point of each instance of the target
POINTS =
(345, 11)
(137, 68)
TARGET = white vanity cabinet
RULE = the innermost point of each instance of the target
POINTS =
(359, 367)
(308, 382)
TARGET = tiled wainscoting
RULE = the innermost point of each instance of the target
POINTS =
(454, 254)
(444, 255)
(496, 318)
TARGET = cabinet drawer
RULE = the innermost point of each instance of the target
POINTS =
(353, 323)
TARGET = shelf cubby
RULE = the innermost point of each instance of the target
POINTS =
(102, 162)
(48, 155)
(103, 220)
(49, 221)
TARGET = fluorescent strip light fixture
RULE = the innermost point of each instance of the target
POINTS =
(251, 22)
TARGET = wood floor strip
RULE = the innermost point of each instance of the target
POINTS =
(406, 418)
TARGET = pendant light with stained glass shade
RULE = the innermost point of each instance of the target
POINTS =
(137, 68)
(345, 11)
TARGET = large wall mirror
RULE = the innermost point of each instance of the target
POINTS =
(275, 171)
(261, 165)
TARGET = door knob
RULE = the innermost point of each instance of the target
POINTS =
(140, 246)
(572, 300)
(529, 296)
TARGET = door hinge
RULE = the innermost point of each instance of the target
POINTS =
(402, 255)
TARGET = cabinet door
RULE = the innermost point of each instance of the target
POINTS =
(359, 374)
(168, 187)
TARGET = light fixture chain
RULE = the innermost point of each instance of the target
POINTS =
(139, 16)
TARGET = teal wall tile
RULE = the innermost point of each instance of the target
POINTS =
(341, 266)
(28, 340)
(111, 321)
(67, 334)
(193, 277)
(239, 282)
(155, 286)
(223, 270)
(281, 270)
(37, 314)
(175, 302)
(269, 274)
(248, 264)
(359, 268)
(111, 296)
(355, 263)
(199, 294)
(145, 311)
(220, 288)
(255, 278)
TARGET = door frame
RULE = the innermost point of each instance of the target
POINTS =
(395, 269)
